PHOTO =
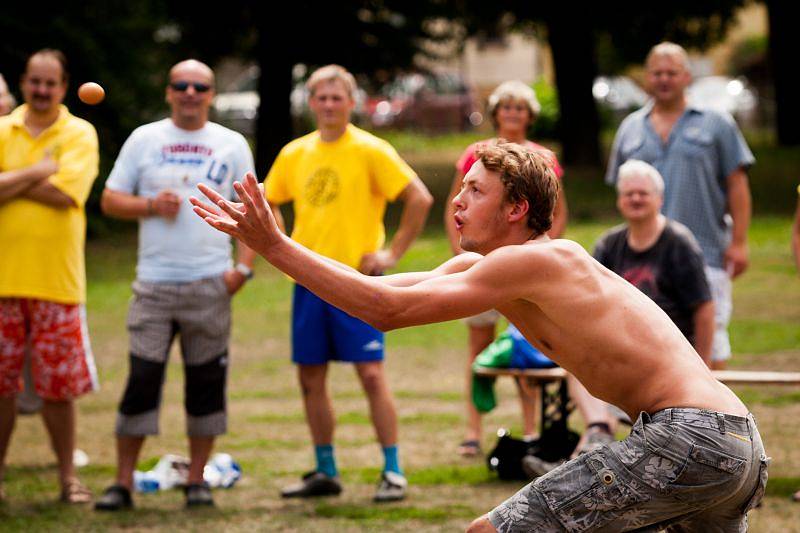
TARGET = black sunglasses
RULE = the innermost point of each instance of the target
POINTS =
(184, 85)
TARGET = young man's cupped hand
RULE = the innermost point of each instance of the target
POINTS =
(250, 221)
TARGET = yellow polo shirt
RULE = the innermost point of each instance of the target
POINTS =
(339, 190)
(42, 246)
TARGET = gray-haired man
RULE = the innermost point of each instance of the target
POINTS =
(703, 158)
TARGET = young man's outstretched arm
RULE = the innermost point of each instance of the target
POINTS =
(443, 294)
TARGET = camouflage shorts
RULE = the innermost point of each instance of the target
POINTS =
(679, 470)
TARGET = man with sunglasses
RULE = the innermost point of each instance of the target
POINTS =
(180, 264)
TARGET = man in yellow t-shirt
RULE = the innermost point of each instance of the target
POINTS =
(48, 161)
(339, 179)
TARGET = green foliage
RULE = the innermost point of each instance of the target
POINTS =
(546, 123)
(748, 55)
(412, 142)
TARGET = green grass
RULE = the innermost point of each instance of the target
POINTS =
(408, 142)
(365, 515)
(425, 367)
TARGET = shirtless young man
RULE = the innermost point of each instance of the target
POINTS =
(694, 456)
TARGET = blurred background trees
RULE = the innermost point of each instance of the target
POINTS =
(129, 46)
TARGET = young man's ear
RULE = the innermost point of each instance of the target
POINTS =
(519, 210)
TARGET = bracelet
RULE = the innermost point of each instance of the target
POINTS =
(150, 207)
(244, 270)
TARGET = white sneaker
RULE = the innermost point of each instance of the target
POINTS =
(392, 487)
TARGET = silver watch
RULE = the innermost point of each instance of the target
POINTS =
(244, 270)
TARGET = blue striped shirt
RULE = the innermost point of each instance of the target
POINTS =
(703, 149)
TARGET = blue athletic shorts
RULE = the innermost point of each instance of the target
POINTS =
(322, 333)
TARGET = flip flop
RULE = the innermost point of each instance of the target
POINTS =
(469, 448)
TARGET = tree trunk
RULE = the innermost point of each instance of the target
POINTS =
(276, 60)
(783, 18)
(572, 42)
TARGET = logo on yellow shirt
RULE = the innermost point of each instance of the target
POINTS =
(322, 187)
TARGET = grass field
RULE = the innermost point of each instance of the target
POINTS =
(269, 438)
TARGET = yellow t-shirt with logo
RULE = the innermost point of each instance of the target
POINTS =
(339, 190)
(43, 246)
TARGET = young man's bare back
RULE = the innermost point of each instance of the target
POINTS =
(615, 340)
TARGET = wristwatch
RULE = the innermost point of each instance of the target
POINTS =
(244, 270)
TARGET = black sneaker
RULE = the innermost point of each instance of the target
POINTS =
(392, 487)
(313, 484)
(115, 498)
(198, 495)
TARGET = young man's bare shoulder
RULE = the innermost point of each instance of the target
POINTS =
(550, 256)
(540, 250)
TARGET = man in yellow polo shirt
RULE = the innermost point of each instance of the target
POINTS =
(48, 161)
(339, 179)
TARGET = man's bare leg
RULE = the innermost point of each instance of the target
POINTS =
(393, 484)
(199, 452)
(8, 415)
(381, 404)
(721, 364)
(128, 448)
(479, 338)
(59, 419)
(323, 480)
(481, 525)
(529, 401)
(317, 402)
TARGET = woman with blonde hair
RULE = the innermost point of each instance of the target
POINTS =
(513, 108)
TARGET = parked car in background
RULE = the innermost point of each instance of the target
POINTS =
(237, 106)
(432, 102)
(732, 95)
(620, 94)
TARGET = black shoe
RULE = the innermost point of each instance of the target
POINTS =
(198, 495)
(313, 484)
(115, 498)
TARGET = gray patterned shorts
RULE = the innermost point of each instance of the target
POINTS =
(679, 470)
(199, 313)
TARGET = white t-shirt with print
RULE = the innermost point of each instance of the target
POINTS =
(160, 156)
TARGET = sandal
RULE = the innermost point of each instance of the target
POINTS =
(74, 492)
(469, 448)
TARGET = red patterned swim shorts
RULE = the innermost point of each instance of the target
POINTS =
(58, 339)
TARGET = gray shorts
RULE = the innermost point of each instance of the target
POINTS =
(679, 469)
(199, 313)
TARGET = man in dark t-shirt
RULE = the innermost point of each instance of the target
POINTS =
(659, 256)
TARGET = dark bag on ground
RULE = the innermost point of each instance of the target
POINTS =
(506, 457)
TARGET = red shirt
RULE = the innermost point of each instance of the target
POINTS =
(467, 159)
